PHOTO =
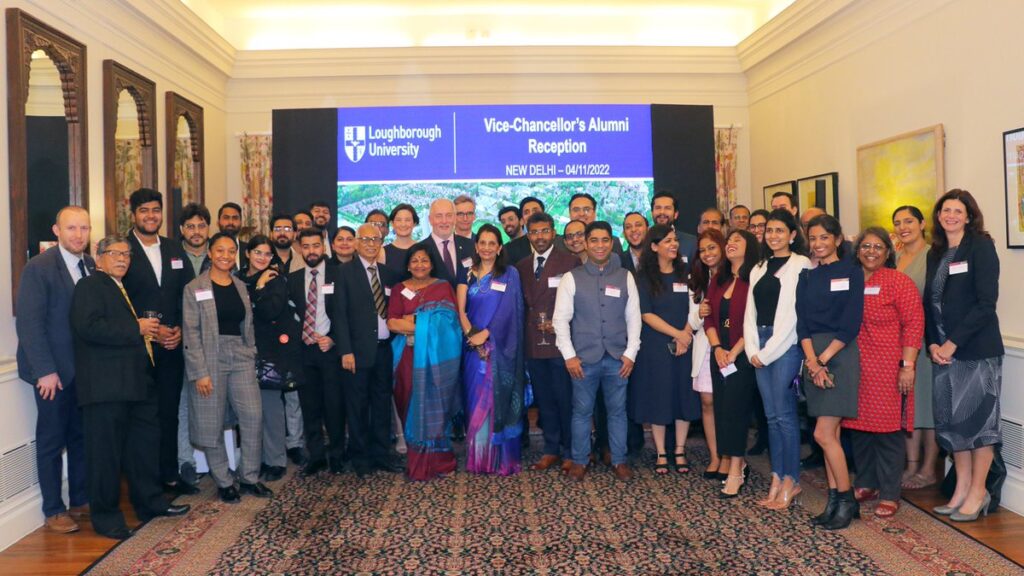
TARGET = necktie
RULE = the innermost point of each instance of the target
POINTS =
(447, 257)
(540, 267)
(82, 269)
(378, 294)
(309, 322)
(149, 345)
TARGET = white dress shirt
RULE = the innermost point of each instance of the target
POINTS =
(153, 254)
(382, 324)
(565, 306)
(323, 321)
(71, 261)
(546, 255)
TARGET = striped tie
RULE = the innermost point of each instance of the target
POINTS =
(378, 294)
(309, 323)
(149, 345)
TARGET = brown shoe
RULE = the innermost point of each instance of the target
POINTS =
(546, 461)
(577, 472)
(623, 472)
(61, 523)
(79, 512)
(606, 458)
(566, 466)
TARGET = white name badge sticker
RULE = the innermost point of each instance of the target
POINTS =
(872, 290)
(498, 286)
(387, 291)
(177, 264)
(554, 281)
(467, 262)
(409, 294)
(686, 259)
(679, 287)
(204, 295)
(957, 268)
(612, 292)
(328, 289)
(840, 284)
(729, 369)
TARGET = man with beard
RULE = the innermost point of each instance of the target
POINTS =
(194, 227)
(311, 291)
(520, 248)
(302, 220)
(321, 214)
(282, 233)
(664, 211)
(510, 219)
(583, 207)
(634, 228)
(575, 242)
(229, 221)
(155, 283)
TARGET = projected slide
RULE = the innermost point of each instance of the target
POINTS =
(498, 155)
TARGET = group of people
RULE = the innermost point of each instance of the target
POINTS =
(323, 346)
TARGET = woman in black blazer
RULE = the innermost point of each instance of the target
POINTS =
(965, 344)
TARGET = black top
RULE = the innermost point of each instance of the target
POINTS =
(230, 309)
(766, 292)
(830, 300)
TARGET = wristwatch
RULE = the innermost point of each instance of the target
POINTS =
(906, 364)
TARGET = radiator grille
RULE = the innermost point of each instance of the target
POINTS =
(1013, 443)
(18, 470)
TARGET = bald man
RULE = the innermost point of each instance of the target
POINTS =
(809, 214)
(46, 361)
(453, 251)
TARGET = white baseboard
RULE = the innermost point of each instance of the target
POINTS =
(21, 515)
(1013, 491)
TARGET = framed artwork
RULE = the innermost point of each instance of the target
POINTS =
(821, 190)
(1013, 162)
(788, 186)
(907, 169)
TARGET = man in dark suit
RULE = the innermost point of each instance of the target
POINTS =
(229, 221)
(634, 228)
(364, 343)
(540, 274)
(321, 213)
(583, 207)
(665, 210)
(454, 252)
(113, 366)
(46, 360)
(155, 284)
(312, 293)
(516, 250)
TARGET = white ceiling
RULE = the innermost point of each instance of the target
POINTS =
(296, 24)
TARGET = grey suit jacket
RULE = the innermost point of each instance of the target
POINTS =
(201, 339)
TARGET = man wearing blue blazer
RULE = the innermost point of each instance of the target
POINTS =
(453, 251)
(46, 360)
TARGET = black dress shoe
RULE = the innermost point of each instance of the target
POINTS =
(229, 495)
(314, 467)
(258, 490)
(122, 533)
(181, 488)
(362, 470)
(297, 456)
(337, 467)
(173, 510)
(273, 473)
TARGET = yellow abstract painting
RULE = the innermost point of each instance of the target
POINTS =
(902, 170)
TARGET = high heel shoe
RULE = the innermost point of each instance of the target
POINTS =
(773, 492)
(725, 495)
(946, 510)
(983, 511)
(830, 509)
(661, 469)
(847, 509)
(786, 498)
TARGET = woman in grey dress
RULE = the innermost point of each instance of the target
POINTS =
(922, 451)
(966, 346)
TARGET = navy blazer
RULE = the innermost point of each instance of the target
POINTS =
(968, 301)
(355, 331)
(687, 246)
(297, 296)
(464, 248)
(42, 318)
(140, 281)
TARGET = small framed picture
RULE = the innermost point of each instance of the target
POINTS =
(821, 191)
(788, 187)
(1013, 172)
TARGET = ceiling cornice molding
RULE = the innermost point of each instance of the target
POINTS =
(809, 50)
(483, 60)
(187, 29)
(786, 27)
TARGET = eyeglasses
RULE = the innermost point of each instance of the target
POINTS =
(119, 253)
(575, 236)
(282, 228)
(581, 210)
(370, 239)
(465, 214)
(757, 226)
(194, 227)
(539, 232)
(378, 224)
(872, 247)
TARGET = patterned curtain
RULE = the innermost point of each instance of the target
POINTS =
(127, 177)
(725, 166)
(257, 182)
(184, 170)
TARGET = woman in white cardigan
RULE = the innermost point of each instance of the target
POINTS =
(770, 341)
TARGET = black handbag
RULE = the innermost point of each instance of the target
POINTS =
(993, 483)
(272, 376)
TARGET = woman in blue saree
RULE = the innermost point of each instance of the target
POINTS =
(491, 312)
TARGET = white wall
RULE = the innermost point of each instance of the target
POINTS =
(880, 68)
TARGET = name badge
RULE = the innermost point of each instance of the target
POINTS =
(686, 259)
(872, 290)
(387, 291)
(729, 369)
(958, 267)
(467, 262)
(554, 281)
(206, 294)
(498, 286)
(612, 292)
(177, 264)
(840, 284)
(679, 287)
(327, 289)
(409, 294)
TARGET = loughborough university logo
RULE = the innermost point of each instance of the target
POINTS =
(355, 142)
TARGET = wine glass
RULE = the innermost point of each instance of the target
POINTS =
(542, 320)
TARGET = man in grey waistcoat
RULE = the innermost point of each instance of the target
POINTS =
(597, 330)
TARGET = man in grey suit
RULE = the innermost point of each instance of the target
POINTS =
(46, 360)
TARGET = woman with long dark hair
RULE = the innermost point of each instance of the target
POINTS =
(966, 346)
(829, 308)
(769, 337)
(710, 256)
(491, 313)
(732, 375)
(664, 360)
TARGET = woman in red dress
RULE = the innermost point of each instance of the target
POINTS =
(890, 337)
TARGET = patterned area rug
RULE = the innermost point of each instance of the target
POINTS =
(539, 523)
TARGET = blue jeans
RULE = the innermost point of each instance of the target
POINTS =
(603, 375)
(775, 382)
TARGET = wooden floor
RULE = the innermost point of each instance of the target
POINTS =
(45, 553)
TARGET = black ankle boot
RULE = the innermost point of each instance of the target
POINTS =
(847, 509)
(830, 509)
